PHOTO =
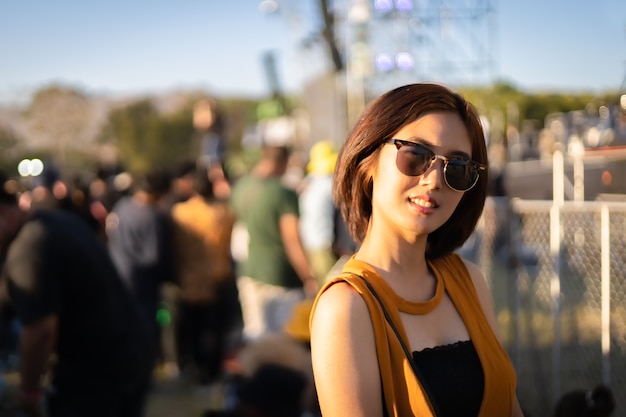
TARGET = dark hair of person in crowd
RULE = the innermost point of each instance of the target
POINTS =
(384, 117)
(275, 153)
(156, 182)
(598, 402)
(185, 167)
(202, 184)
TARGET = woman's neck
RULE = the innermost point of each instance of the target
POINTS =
(392, 253)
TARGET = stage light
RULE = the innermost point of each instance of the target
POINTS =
(405, 61)
(383, 62)
(383, 6)
(404, 5)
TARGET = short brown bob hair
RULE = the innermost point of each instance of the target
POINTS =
(381, 120)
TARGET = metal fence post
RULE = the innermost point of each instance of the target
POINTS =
(558, 197)
(555, 295)
(605, 254)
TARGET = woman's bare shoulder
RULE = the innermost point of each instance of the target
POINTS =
(475, 273)
(339, 300)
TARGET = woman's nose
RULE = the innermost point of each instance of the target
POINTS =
(435, 171)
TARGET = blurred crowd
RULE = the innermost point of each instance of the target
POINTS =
(221, 271)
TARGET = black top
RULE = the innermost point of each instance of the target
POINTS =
(58, 265)
(453, 378)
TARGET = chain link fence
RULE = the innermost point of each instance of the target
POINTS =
(558, 278)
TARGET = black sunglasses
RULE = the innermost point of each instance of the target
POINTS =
(414, 159)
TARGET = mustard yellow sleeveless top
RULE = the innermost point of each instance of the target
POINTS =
(403, 394)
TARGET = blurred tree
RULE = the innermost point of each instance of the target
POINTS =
(132, 127)
(9, 149)
(146, 138)
(239, 114)
(60, 119)
(538, 106)
(535, 106)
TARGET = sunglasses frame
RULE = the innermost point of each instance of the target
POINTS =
(401, 142)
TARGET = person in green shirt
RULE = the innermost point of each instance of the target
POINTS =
(276, 274)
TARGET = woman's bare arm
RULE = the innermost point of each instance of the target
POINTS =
(345, 365)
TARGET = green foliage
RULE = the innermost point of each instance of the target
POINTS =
(532, 106)
(538, 106)
(239, 114)
(8, 140)
(10, 150)
(146, 139)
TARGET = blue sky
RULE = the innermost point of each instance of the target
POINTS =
(128, 47)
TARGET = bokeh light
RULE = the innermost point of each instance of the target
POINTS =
(268, 6)
(404, 5)
(30, 167)
(383, 5)
(405, 61)
(384, 62)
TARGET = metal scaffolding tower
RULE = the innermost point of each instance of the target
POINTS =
(393, 42)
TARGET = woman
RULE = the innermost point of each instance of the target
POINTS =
(411, 182)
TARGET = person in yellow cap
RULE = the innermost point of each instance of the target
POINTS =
(317, 209)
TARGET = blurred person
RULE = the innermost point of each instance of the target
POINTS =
(78, 199)
(9, 340)
(272, 391)
(408, 327)
(221, 182)
(8, 327)
(83, 345)
(276, 274)
(47, 189)
(205, 275)
(597, 402)
(140, 242)
(209, 121)
(296, 169)
(50, 191)
(289, 348)
(182, 186)
(344, 245)
(110, 185)
(286, 352)
(181, 189)
(317, 209)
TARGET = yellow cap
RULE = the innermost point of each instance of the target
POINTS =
(322, 158)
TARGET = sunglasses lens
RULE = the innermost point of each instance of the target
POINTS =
(461, 175)
(413, 160)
